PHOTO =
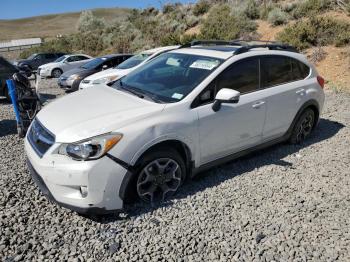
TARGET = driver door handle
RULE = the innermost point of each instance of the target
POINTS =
(258, 104)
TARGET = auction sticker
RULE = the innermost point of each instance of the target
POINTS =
(205, 64)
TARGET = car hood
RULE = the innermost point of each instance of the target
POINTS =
(73, 71)
(109, 73)
(93, 112)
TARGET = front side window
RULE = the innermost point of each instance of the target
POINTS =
(275, 70)
(169, 77)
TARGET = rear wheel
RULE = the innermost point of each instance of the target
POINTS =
(56, 73)
(160, 175)
(303, 127)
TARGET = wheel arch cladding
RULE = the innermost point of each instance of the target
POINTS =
(125, 191)
(312, 104)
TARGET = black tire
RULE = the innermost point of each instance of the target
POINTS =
(56, 73)
(303, 127)
(167, 155)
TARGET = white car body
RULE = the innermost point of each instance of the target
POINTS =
(208, 136)
(64, 64)
(113, 74)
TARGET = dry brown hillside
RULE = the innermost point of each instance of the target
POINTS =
(51, 25)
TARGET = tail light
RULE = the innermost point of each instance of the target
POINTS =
(320, 81)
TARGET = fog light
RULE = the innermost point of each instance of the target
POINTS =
(83, 191)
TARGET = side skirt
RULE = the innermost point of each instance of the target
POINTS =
(234, 156)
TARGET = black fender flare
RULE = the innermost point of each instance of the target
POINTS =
(310, 103)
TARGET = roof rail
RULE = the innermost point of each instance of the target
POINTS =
(211, 42)
(244, 46)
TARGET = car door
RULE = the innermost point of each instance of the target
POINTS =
(235, 126)
(282, 79)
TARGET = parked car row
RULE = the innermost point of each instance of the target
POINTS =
(176, 112)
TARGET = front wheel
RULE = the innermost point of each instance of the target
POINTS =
(160, 175)
(303, 127)
(56, 73)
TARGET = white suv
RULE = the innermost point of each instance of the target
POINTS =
(181, 113)
(124, 68)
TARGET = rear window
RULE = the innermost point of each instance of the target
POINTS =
(299, 70)
(275, 70)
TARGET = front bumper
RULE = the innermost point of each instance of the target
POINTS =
(61, 178)
(69, 85)
(44, 72)
(83, 85)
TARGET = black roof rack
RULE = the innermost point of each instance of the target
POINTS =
(244, 46)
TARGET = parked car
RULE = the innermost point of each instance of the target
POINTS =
(63, 64)
(71, 79)
(6, 72)
(124, 68)
(36, 60)
(181, 113)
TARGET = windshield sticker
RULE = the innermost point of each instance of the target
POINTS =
(173, 62)
(205, 64)
(177, 96)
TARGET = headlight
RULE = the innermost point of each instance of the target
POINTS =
(91, 148)
(73, 77)
(104, 80)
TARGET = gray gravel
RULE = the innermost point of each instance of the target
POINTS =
(287, 203)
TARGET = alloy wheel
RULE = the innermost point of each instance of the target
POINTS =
(158, 180)
(305, 127)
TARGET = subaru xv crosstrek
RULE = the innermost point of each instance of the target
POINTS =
(181, 113)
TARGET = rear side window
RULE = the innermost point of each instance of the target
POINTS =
(242, 76)
(275, 70)
(299, 70)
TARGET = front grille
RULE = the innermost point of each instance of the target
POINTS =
(40, 138)
(85, 81)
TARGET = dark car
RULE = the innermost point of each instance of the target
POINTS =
(71, 79)
(36, 60)
(6, 72)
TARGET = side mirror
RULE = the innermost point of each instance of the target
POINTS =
(104, 67)
(225, 95)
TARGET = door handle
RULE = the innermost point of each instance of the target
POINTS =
(300, 91)
(258, 104)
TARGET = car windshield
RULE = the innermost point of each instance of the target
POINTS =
(32, 56)
(94, 63)
(133, 61)
(60, 58)
(169, 77)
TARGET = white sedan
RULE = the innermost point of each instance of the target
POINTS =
(63, 64)
(124, 68)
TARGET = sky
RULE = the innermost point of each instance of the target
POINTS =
(12, 9)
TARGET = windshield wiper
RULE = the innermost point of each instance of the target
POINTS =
(139, 93)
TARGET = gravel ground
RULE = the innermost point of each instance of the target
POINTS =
(286, 203)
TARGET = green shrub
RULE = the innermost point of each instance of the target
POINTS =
(277, 17)
(316, 31)
(88, 22)
(252, 9)
(265, 9)
(201, 7)
(221, 24)
(311, 8)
